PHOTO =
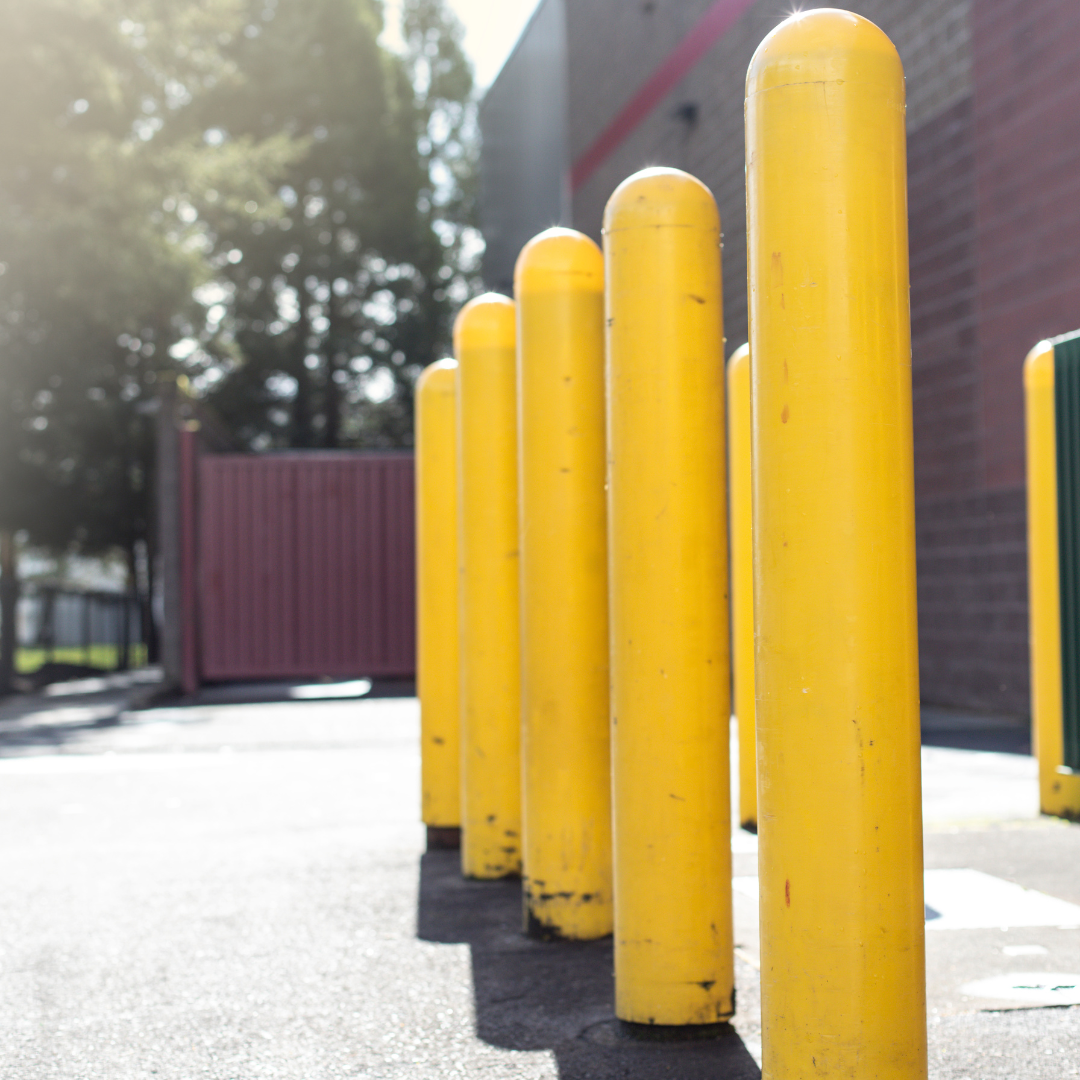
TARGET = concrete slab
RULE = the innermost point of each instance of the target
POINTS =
(978, 787)
(236, 891)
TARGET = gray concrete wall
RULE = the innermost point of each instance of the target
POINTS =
(614, 46)
(524, 165)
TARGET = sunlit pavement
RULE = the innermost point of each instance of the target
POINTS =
(1003, 921)
(239, 890)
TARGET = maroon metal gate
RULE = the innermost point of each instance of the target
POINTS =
(305, 565)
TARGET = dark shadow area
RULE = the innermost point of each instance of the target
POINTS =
(556, 996)
(18, 738)
(52, 672)
(66, 715)
(61, 715)
(392, 688)
(970, 731)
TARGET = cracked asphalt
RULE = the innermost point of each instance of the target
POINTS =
(239, 890)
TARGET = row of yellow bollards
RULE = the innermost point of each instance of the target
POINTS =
(575, 684)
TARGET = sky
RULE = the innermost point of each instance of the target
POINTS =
(492, 28)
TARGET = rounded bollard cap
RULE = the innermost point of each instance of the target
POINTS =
(739, 358)
(436, 377)
(660, 197)
(559, 260)
(1039, 366)
(486, 321)
(824, 45)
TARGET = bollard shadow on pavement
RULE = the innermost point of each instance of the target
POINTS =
(556, 996)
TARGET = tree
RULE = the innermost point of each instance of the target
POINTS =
(334, 307)
(100, 254)
(252, 192)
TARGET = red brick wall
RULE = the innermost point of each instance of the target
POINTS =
(973, 600)
(1027, 139)
(945, 359)
(995, 238)
(994, 189)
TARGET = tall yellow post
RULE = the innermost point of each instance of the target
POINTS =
(839, 814)
(669, 613)
(437, 653)
(566, 764)
(1059, 788)
(490, 632)
(742, 578)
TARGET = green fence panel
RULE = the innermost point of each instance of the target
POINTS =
(1067, 439)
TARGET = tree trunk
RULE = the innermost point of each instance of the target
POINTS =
(87, 629)
(48, 625)
(147, 624)
(333, 403)
(303, 413)
(336, 359)
(9, 602)
(130, 602)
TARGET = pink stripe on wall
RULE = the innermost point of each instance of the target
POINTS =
(706, 32)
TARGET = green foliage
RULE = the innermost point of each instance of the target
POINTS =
(228, 188)
(100, 259)
(334, 306)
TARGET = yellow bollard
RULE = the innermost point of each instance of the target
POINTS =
(566, 764)
(490, 634)
(437, 654)
(742, 578)
(1059, 785)
(839, 812)
(669, 633)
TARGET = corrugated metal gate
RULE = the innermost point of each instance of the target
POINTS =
(305, 565)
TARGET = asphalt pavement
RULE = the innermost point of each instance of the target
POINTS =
(235, 888)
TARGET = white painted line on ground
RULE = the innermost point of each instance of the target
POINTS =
(977, 785)
(972, 900)
(1030, 987)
